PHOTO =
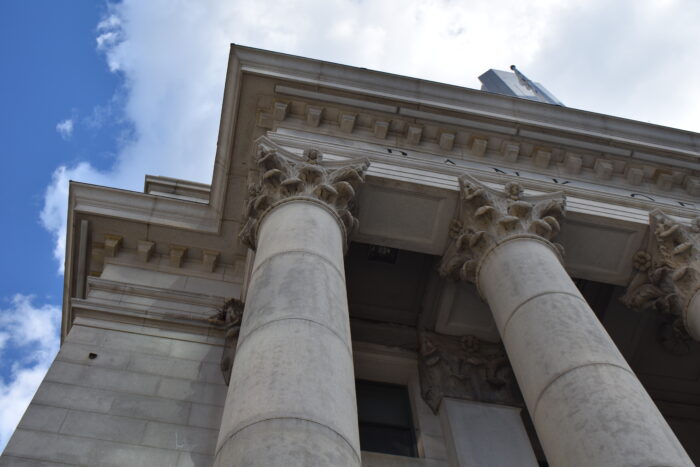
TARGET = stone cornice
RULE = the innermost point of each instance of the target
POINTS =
(668, 276)
(373, 94)
(487, 218)
(381, 87)
(144, 207)
(430, 169)
(283, 176)
(567, 159)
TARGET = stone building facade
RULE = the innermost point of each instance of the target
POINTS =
(384, 271)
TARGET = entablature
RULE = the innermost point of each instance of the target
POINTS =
(419, 136)
(673, 181)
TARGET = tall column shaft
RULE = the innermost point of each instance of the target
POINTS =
(291, 400)
(587, 405)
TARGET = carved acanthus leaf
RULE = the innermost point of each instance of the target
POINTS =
(488, 217)
(283, 176)
(465, 368)
(667, 274)
(229, 317)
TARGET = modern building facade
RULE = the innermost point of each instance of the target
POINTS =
(384, 271)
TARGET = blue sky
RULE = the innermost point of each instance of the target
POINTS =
(106, 92)
(51, 73)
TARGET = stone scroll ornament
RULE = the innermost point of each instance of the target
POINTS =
(487, 217)
(229, 317)
(667, 278)
(284, 176)
(465, 368)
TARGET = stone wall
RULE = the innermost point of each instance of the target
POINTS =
(121, 394)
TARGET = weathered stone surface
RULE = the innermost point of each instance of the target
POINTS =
(601, 415)
(287, 442)
(118, 398)
(291, 400)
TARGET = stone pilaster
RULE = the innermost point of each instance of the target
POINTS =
(291, 398)
(465, 367)
(667, 279)
(587, 405)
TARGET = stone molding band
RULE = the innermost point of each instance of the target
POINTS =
(307, 320)
(302, 251)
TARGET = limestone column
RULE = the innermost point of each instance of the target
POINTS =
(291, 398)
(668, 279)
(588, 407)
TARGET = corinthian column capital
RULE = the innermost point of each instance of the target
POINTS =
(488, 217)
(283, 177)
(668, 276)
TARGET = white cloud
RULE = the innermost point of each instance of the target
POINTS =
(635, 59)
(65, 128)
(53, 213)
(33, 333)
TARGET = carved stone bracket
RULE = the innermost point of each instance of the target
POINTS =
(465, 368)
(229, 317)
(488, 217)
(667, 278)
(284, 176)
